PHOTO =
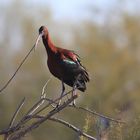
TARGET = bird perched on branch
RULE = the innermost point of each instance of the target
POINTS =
(64, 64)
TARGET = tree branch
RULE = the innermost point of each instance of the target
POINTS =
(37, 123)
(96, 113)
(22, 62)
(74, 128)
(16, 113)
(16, 131)
(77, 130)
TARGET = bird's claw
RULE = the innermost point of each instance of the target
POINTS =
(57, 106)
(59, 103)
(74, 103)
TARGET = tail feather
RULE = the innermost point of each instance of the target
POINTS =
(81, 85)
(82, 80)
(85, 74)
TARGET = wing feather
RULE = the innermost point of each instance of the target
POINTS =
(73, 59)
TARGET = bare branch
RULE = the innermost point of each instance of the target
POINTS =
(37, 123)
(17, 130)
(16, 113)
(80, 132)
(43, 96)
(96, 113)
(89, 111)
(22, 62)
(71, 126)
(53, 101)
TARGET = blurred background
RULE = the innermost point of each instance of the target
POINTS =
(106, 34)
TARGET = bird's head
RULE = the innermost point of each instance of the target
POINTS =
(43, 31)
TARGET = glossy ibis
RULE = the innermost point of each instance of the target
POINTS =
(64, 64)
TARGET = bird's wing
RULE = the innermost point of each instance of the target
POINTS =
(71, 59)
(83, 69)
(69, 54)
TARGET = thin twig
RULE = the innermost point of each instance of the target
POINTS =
(26, 117)
(22, 62)
(39, 122)
(16, 112)
(32, 108)
(53, 101)
(43, 95)
(87, 110)
(42, 109)
(21, 128)
(77, 130)
(71, 126)
(96, 113)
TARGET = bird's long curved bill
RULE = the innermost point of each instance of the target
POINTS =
(37, 41)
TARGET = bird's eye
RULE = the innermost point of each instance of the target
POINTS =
(41, 32)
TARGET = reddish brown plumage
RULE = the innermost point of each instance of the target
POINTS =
(64, 64)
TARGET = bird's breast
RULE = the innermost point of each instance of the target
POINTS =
(63, 69)
(54, 67)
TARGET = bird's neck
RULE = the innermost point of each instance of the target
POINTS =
(50, 47)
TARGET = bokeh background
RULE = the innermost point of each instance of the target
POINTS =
(106, 34)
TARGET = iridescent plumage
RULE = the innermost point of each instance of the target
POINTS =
(64, 64)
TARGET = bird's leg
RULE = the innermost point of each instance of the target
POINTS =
(62, 93)
(74, 91)
(74, 88)
(73, 94)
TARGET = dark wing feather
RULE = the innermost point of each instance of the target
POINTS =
(72, 68)
(71, 55)
(85, 75)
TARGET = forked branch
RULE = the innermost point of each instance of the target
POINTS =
(18, 129)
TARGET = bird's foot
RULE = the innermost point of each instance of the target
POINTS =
(74, 103)
(58, 104)
(54, 106)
